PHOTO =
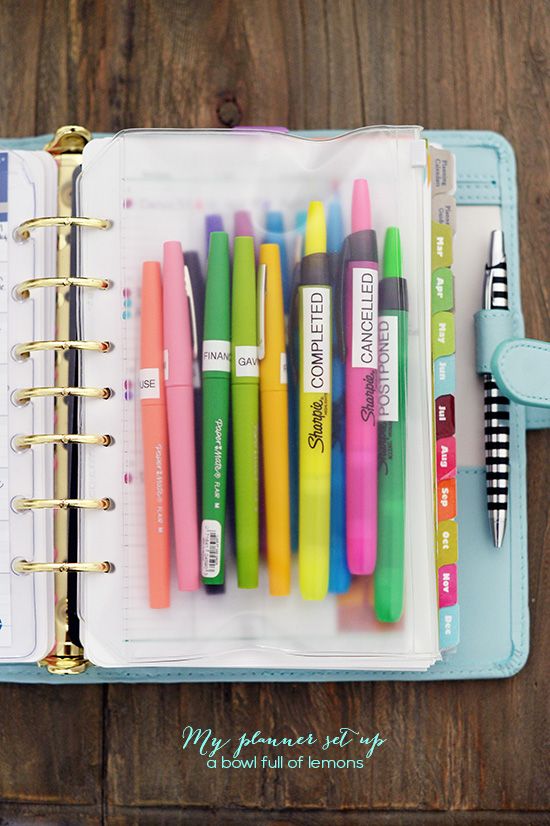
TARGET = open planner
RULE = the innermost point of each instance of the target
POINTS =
(285, 497)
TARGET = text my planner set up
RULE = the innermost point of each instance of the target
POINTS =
(234, 443)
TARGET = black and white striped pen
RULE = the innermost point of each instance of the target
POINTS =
(497, 406)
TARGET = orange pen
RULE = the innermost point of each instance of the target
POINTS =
(154, 426)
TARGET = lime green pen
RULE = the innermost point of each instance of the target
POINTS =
(392, 432)
(245, 394)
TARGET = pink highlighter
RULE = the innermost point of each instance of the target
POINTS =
(361, 331)
(179, 338)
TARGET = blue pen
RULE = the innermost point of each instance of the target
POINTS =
(275, 234)
(299, 233)
(339, 575)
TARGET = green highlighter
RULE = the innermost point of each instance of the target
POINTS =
(216, 375)
(245, 394)
(392, 433)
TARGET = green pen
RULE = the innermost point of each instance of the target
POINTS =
(245, 394)
(216, 370)
(392, 432)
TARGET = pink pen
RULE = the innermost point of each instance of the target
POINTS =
(179, 338)
(361, 331)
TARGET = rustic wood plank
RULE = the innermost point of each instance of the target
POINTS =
(51, 742)
(205, 817)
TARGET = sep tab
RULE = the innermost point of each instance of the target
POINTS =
(443, 334)
(442, 245)
(442, 290)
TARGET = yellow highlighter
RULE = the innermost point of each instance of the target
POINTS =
(274, 413)
(315, 407)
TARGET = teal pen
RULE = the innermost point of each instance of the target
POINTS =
(293, 358)
(275, 234)
(339, 573)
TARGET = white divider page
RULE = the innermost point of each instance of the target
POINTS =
(28, 183)
(157, 186)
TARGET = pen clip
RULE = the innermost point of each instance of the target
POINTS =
(262, 283)
(189, 291)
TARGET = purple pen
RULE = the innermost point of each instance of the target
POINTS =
(213, 223)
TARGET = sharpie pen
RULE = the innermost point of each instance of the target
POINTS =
(245, 409)
(274, 416)
(180, 347)
(154, 428)
(339, 575)
(392, 386)
(361, 325)
(216, 377)
(315, 408)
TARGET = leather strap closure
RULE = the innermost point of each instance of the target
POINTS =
(521, 368)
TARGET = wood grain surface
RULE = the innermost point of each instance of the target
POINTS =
(466, 752)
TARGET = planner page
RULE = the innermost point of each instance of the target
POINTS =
(27, 190)
(165, 185)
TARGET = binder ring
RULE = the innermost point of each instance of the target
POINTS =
(23, 290)
(22, 504)
(23, 231)
(21, 566)
(25, 442)
(24, 395)
(23, 351)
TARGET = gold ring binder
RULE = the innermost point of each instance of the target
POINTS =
(25, 442)
(22, 504)
(21, 566)
(23, 231)
(23, 351)
(23, 290)
(24, 395)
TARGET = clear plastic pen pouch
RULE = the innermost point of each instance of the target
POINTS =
(306, 278)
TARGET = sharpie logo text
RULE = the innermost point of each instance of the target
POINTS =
(315, 438)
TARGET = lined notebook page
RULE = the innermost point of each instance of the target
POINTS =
(27, 190)
(158, 187)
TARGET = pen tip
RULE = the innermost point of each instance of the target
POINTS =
(393, 265)
(316, 231)
(361, 218)
(497, 253)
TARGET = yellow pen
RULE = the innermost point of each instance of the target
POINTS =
(315, 407)
(274, 417)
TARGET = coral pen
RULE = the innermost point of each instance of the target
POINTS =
(155, 437)
(180, 347)
(361, 330)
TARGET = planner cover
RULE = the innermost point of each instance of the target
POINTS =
(492, 584)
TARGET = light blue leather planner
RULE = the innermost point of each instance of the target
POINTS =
(492, 583)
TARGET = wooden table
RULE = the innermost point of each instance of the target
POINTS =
(472, 749)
